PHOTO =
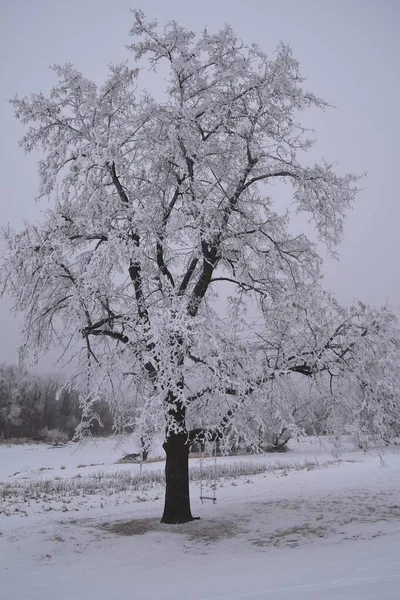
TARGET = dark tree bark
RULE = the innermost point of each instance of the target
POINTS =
(177, 500)
(144, 449)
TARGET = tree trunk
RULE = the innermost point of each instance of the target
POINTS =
(144, 449)
(177, 501)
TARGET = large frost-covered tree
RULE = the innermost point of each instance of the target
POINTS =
(165, 263)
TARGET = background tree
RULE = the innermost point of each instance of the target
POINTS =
(160, 208)
(11, 385)
(39, 407)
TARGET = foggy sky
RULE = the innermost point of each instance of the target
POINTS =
(348, 50)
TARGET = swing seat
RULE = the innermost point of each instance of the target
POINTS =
(208, 498)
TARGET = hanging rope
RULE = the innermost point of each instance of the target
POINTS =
(214, 484)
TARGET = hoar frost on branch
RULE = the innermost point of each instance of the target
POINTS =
(159, 206)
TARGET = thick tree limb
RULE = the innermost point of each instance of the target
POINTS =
(210, 261)
(188, 275)
(161, 263)
(107, 333)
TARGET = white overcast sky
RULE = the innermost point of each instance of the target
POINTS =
(348, 49)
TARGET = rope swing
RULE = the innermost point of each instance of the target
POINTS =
(214, 484)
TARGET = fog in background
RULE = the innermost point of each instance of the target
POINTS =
(348, 50)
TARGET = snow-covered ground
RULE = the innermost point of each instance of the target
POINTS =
(314, 529)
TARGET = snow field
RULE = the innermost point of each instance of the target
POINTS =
(328, 532)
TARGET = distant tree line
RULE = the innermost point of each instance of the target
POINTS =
(31, 407)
